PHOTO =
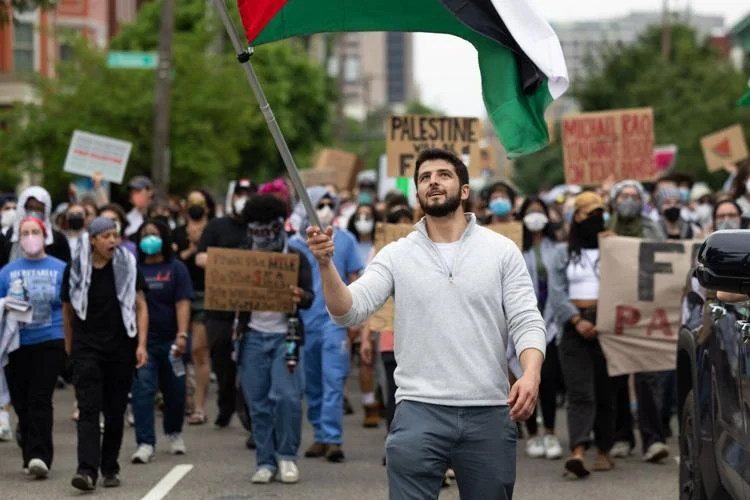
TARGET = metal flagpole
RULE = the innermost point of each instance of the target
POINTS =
(243, 56)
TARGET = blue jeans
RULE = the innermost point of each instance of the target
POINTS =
(326, 368)
(274, 396)
(479, 442)
(157, 373)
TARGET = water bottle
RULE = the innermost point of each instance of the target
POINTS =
(178, 366)
(292, 343)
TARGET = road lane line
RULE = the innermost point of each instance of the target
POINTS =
(168, 482)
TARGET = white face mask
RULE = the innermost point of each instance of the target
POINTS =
(535, 221)
(8, 217)
(325, 215)
(364, 226)
(239, 205)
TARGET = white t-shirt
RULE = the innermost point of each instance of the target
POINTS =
(448, 251)
(268, 322)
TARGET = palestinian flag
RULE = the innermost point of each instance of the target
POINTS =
(745, 99)
(520, 58)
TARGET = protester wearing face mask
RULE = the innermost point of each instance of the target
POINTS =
(501, 198)
(170, 292)
(727, 215)
(628, 219)
(272, 392)
(33, 368)
(538, 252)
(224, 232)
(672, 223)
(7, 213)
(200, 211)
(574, 292)
(161, 211)
(141, 191)
(35, 201)
(701, 206)
(326, 344)
(74, 225)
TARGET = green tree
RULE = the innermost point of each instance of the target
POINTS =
(217, 129)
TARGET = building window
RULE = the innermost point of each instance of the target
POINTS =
(351, 69)
(396, 66)
(23, 46)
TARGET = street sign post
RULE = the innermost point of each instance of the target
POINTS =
(133, 60)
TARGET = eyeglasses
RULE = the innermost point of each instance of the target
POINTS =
(326, 204)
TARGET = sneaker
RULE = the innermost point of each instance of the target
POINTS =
(450, 474)
(129, 417)
(83, 482)
(372, 416)
(111, 481)
(621, 449)
(38, 468)
(176, 444)
(552, 448)
(656, 453)
(262, 476)
(335, 453)
(143, 454)
(576, 466)
(535, 447)
(6, 431)
(316, 450)
(288, 472)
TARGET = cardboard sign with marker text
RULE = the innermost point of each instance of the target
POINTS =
(640, 302)
(244, 280)
(723, 147)
(346, 166)
(407, 135)
(604, 143)
(387, 233)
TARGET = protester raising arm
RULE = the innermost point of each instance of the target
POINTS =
(351, 305)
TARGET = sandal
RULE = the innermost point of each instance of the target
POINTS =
(197, 418)
(575, 465)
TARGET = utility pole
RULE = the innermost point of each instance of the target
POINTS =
(666, 31)
(160, 153)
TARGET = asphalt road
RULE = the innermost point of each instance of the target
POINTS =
(221, 469)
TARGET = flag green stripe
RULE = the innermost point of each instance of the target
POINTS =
(518, 118)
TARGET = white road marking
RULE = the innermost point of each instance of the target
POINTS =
(168, 482)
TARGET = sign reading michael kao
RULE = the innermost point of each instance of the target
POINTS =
(407, 135)
(639, 313)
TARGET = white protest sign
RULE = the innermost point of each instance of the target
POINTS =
(90, 153)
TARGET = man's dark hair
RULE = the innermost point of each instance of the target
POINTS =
(264, 209)
(442, 154)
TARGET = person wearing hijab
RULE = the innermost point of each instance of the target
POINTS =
(33, 368)
(326, 350)
(36, 202)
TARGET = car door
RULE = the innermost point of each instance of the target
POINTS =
(729, 420)
(738, 452)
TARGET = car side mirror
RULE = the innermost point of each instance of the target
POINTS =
(724, 262)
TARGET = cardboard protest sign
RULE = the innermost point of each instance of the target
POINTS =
(407, 135)
(725, 146)
(665, 158)
(387, 233)
(243, 280)
(91, 153)
(346, 165)
(314, 177)
(640, 307)
(604, 143)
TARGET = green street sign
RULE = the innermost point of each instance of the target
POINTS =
(133, 60)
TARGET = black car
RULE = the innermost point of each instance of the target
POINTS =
(713, 372)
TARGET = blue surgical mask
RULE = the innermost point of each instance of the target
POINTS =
(500, 207)
(684, 195)
(606, 219)
(365, 198)
(150, 245)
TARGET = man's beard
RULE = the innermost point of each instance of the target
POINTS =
(447, 207)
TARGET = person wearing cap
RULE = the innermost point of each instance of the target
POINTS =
(461, 293)
(141, 191)
(36, 202)
(105, 318)
(33, 368)
(229, 231)
(574, 292)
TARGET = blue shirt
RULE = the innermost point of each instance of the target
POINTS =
(168, 283)
(364, 248)
(347, 261)
(41, 283)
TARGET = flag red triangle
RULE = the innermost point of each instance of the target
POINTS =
(723, 149)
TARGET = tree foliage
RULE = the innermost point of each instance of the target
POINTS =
(693, 93)
(217, 129)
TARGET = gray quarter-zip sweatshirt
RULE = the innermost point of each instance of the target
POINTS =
(452, 328)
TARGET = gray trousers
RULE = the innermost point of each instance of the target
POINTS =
(479, 442)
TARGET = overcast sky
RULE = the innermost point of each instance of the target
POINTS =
(446, 69)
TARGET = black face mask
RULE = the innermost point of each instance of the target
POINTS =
(589, 230)
(555, 226)
(75, 222)
(196, 212)
(672, 214)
